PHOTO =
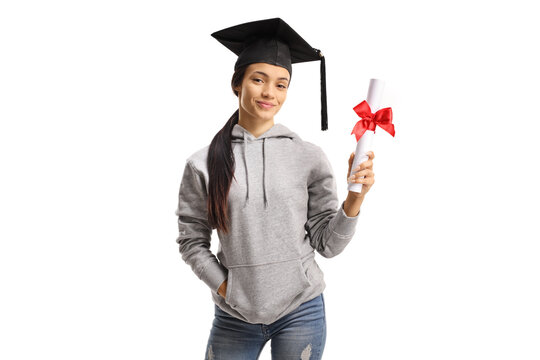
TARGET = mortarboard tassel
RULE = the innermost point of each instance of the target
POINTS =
(324, 113)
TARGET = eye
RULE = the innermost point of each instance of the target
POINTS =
(256, 79)
(283, 86)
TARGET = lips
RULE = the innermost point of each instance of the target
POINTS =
(265, 105)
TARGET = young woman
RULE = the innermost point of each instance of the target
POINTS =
(273, 199)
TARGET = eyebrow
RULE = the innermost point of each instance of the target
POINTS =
(265, 74)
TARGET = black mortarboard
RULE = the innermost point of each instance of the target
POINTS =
(274, 42)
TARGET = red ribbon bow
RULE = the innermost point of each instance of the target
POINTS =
(383, 118)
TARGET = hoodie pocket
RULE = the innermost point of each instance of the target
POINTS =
(261, 292)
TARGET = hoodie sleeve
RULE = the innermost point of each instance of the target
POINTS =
(329, 228)
(194, 230)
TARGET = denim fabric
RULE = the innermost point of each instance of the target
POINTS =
(299, 335)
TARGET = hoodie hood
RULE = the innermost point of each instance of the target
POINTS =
(241, 135)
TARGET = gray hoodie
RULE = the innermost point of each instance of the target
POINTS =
(283, 206)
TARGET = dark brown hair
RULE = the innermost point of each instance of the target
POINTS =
(221, 165)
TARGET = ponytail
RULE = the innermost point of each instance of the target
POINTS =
(221, 166)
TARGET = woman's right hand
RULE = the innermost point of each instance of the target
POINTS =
(223, 288)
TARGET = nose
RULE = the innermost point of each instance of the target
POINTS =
(268, 91)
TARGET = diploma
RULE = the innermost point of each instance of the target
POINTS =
(364, 129)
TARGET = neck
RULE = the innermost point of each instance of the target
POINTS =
(255, 126)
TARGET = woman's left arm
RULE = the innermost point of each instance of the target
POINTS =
(354, 200)
(328, 227)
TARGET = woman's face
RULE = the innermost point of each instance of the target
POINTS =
(262, 83)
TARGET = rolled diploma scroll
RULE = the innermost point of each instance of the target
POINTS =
(365, 143)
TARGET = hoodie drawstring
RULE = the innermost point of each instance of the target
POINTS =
(264, 176)
(247, 175)
(246, 167)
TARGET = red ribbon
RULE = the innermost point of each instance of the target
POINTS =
(368, 121)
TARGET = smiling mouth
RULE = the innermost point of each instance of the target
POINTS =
(265, 106)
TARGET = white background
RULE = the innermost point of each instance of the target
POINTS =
(101, 102)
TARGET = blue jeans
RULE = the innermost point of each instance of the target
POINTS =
(299, 335)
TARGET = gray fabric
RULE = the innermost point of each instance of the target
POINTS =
(283, 206)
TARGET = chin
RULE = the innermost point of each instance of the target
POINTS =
(268, 116)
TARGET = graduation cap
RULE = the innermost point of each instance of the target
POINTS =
(274, 42)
